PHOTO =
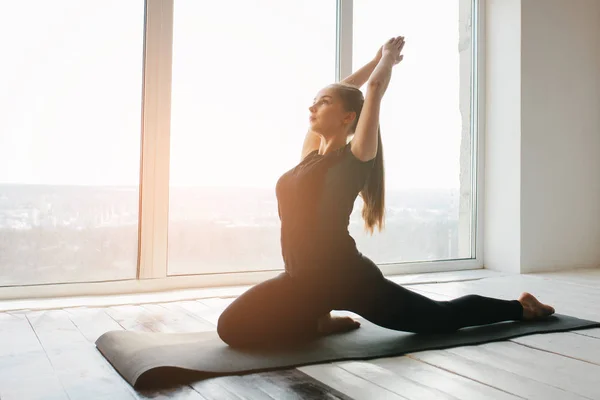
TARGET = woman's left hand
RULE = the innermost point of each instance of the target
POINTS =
(392, 48)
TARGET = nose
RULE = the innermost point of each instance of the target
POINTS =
(311, 108)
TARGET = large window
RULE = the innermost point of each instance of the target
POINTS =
(243, 79)
(144, 138)
(426, 129)
(238, 120)
(71, 78)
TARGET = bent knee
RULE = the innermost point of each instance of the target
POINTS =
(234, 331)
(226, 329)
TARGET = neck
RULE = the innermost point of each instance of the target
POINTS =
(331, 144)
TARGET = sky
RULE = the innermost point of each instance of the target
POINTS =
(244, 75)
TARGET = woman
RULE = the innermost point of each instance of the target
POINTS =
(324, 271)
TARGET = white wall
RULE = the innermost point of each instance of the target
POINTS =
(502, 191)
(550, 66)
(560, 147)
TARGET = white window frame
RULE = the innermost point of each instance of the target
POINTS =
(152, 271)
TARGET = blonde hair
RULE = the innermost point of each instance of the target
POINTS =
(373, 193)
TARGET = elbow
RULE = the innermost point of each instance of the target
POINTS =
(374, 83)
(376, 87)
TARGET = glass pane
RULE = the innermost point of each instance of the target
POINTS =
(425, 128)
(244, 75)
(71, 78)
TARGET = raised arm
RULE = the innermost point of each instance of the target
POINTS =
(361, 76)
(364, 142)
(312, 141)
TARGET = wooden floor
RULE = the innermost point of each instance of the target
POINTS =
(50, 354)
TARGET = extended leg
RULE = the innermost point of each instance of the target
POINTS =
(392, 306)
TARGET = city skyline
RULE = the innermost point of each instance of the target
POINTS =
(87, 234)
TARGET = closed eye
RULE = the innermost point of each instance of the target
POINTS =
(322, 100)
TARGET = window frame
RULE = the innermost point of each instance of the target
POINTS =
(152, 271)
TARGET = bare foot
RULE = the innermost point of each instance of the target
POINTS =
(533, 309)
(328, 325)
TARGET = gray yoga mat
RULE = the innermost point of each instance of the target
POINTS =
(160, 359)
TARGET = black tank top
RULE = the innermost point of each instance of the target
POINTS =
(315, 200)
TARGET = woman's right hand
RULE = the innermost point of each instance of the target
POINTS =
(392, 49)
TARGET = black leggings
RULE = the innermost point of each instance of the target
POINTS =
(286, 309)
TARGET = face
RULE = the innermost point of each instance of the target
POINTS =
(327, 114)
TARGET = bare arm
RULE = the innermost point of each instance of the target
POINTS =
(312, 141)
(361, 76)
(364, 143)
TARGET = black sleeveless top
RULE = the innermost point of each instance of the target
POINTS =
(315, 200)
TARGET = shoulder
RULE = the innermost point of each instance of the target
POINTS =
(356, 154)
(347, 172)
(309, 155)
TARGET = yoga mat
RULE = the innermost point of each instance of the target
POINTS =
(162, 359)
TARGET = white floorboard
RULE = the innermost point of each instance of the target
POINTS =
(351, 385)
(440, 379)
(493, 375)
(50, 354)
(564, 375)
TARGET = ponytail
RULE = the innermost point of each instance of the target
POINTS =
(373, 193)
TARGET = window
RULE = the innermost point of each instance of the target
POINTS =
(71, 78)
(99, 97)
(426, 129)
(243, 79)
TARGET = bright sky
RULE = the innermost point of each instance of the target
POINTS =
(244, 74)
